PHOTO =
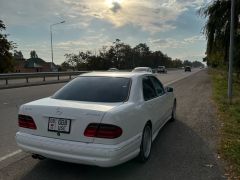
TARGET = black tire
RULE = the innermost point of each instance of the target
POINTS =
(145, 152)
(173, 118)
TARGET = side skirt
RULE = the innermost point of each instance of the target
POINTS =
(156, 132)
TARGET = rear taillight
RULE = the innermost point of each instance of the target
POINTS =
(103, 131)
(26, 122)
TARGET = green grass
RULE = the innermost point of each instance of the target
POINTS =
(229, 116)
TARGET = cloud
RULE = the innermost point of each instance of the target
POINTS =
(130, 20)
(94, 41)
(149, 15)
(174, 43)
(115, 7)
(194, 39)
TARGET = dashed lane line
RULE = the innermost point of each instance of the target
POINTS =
(10, 155)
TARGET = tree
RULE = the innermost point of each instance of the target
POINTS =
(65, 66)
(17, 55)
(119, 55)
(33, 54)
(197, 64)
(6, 60)
(217, 30)
(187, 63)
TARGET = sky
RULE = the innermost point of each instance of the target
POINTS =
(171, 26)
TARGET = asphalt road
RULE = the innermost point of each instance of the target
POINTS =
(184, 149)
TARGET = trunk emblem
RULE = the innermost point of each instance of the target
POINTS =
(58, 111)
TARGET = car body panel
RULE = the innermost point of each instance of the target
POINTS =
(80, 114)
(79, 152)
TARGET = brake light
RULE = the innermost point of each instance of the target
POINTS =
(91, 130)
(107, 131)
(26, 122)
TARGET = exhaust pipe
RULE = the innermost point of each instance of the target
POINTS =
(34, 156)
(37, 156)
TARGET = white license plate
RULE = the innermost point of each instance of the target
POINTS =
(59, 125)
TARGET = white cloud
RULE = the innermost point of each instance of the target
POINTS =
(194, 39)
(95, 41)
(152, 16)
(174, 43)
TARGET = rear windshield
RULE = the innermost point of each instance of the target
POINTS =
(95, 89)
(140, 69)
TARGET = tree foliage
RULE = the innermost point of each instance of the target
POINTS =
(6, 60)
(121, 56)
(33, 54)
(17, 55)
(217, 31)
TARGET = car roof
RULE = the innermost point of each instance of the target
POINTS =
(142, 68)
(115, 74)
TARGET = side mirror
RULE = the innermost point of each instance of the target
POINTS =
(169, 89)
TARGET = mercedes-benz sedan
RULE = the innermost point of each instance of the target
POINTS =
(99, 118)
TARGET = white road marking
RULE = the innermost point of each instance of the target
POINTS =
(19, 150)
(10, 155)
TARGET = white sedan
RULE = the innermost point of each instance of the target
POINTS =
(142, 69)
(99, 118)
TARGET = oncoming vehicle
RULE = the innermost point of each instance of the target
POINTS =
(187, 68)
(142, 69)
(99, 118)
(161, 69)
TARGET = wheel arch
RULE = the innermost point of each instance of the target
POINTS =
(149, 122)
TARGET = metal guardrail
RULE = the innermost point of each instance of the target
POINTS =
(43, 75)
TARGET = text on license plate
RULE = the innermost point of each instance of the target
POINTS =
(59, 125)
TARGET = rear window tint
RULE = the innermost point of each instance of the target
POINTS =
(95, 89)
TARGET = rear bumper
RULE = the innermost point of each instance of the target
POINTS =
(78, 152)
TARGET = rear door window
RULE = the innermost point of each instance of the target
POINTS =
(158, 86)
(149, 91)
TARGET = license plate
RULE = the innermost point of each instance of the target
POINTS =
(59, 125)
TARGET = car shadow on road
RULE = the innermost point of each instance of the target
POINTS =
(177, 153)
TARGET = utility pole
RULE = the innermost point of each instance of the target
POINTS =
(52, 41)
(231, 52)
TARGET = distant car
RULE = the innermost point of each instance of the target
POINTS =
(161, 69)
(187, 68)
(142, 69)
(100, 118)
(113, 69)
(154, 70)
(202, 67)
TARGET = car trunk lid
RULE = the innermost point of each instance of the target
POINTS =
(78, 114)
